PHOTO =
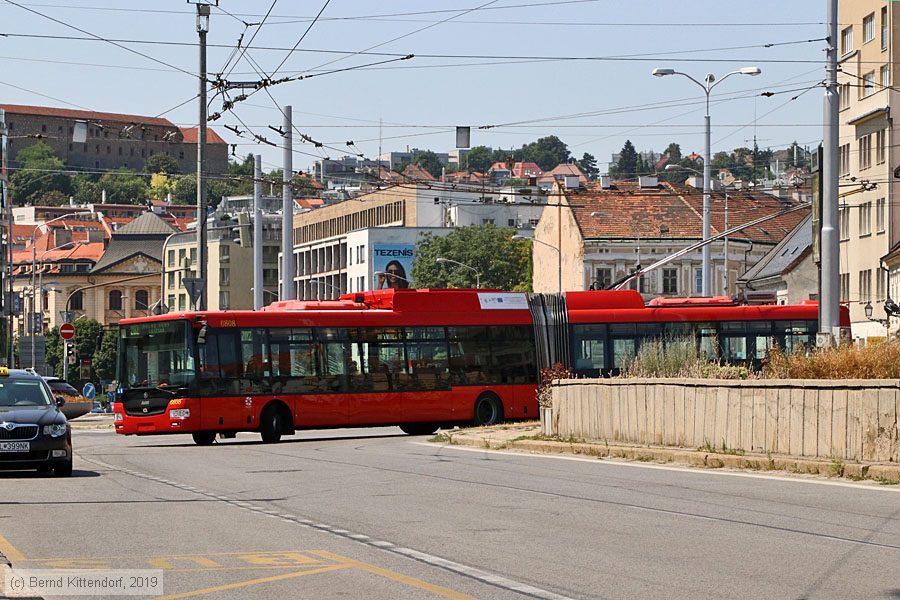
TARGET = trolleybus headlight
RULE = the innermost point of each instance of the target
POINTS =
(118, 417)
(180, 413)
(56, 430)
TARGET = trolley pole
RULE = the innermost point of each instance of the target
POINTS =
(287, 216)
(203, 11)
(6, 259)
(829, 303)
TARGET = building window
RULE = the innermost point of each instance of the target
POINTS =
(884, 28)
(885, 76)
(224, 276)
(270, 276)
(698, 281)
(603, 278)
(120, 150)
(170, 301)
(224, 300)
(865, 285)
(76, 302)
(865, 219)
(182, 301)
(224, 253)
(97, 149)
(131, 151)
(847, 40)
(865, 152)
(43, 129)
(670, 281)
(844, 152)
(115, 300)
(141, 300)
(879, 215)
(880, 146)
(171, 258)
(171, 279)
(868, 28)
(880, 284)
(869, 84)
(845, 287)
(181, 155)
(844, 223)
(844, 95)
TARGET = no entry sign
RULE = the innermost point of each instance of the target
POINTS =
(67, 331)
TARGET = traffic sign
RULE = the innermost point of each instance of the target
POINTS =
(67, 331)
(89, 391)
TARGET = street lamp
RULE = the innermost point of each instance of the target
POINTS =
(555, 249)
(464, 266)
(726, 283)
(708, 84)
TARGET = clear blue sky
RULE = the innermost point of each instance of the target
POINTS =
(704, 35)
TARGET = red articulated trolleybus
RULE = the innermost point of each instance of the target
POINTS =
(421, 359)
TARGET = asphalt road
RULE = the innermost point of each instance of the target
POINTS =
(377, 514)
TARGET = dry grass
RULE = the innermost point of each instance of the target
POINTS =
(874, 361)
(678, 358)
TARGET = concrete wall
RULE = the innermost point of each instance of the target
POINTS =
(847, 420)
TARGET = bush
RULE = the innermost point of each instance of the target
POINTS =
(544, 391)
(874, 361)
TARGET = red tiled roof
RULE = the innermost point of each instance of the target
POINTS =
(523, 170)
(417, 173)
(630, 211)
(84, 115)
(499, 166)
(309, 202)
(80, 252)
(190, 136)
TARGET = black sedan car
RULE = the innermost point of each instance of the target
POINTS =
(34, 433)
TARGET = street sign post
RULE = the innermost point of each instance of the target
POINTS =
(67, 331)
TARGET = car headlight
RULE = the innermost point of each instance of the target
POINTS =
(56, 430)
(180, 413)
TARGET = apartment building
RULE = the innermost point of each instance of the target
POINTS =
(869, 226)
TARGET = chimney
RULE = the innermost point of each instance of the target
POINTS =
(605, 183)
(695, 181)
(572, 182)
(647, 181)
(95, 236)
(61, 236)
(102, 196)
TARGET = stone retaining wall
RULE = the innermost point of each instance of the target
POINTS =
(854, 420)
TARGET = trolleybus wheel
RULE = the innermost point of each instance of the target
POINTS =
(488, 409)
(204, 438)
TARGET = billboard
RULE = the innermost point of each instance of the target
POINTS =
(392, 265)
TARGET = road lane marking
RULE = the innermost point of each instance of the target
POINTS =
(394, 576)
(683, 469)
(167, 563)
(429, 559)
(10, 551)
(260, 581)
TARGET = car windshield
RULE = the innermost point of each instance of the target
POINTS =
(23, 392)
(156, 354)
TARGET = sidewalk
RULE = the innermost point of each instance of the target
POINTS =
(525, 437)
(93, 421)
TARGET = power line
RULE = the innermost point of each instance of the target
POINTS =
(302, 37)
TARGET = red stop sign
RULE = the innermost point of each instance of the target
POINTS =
(67, 331)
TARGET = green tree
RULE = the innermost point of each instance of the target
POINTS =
(161, 163)
(104, 361)
(501, 261)
(479, 158)
(39, 173)
(124, 187)
(87, 340)
(429, 161)
(185, 190)
(673, 151)
(547, 152)
(588, 165)
(627, 166)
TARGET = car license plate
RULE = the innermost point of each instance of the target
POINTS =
(15, 446)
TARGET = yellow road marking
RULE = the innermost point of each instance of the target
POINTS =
(10, 551)
(170, 556)
(240, 584)
(167, 563)
(394, 576)
(283, 559)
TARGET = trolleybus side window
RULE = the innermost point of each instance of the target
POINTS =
(589, 349)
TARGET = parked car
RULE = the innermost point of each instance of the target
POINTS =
(76, 404)
(34, 432)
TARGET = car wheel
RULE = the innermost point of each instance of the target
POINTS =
(271, 424)
(488, 410)
(63, 470)
(419, 428)
(204, 438)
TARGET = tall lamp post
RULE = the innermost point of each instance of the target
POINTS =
(464, 266)
(558, 257)
(727, 282)
(708, 84)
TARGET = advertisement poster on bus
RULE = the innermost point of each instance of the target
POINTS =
(393, 264)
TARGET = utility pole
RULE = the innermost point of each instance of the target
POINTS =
(203, 11)
(829, 303)
(287, 214)
(7, 286)
(258, 290)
